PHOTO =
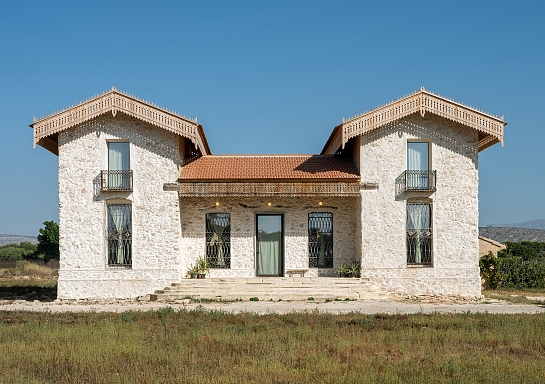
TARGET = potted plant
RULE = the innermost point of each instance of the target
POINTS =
(203, 267)
(193, 272)
(342, 270)
(354, 269)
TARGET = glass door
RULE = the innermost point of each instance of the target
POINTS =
(418, 165)
(269, 245)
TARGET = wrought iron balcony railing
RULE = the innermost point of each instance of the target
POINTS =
(116, 180)
(416, 181)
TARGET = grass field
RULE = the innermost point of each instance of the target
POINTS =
(28, 281)
(166, 346)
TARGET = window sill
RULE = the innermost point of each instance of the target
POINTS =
(419, 265)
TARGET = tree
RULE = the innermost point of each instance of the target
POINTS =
(48, 241)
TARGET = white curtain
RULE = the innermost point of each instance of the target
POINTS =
(269, 253)
(417, 160)
(321, 249)
(118, 160)
(121, 220)
(418, 218)
(217, 239)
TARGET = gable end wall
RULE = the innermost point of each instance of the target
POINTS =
(455, 208)
(84, 272)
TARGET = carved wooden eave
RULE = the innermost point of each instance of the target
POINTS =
(113, 101)
(490, 127)
(257, 189)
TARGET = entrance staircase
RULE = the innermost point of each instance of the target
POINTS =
(267, 288)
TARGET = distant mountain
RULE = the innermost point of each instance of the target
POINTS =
(16, 239)
(535, 224)
(512, 234)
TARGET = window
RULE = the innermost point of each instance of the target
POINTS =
(418, 165)
(419, 234)
(119, 166)
(320, 240)
(119, 235)
(218, 240)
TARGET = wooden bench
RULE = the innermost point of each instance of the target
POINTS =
(300, 272)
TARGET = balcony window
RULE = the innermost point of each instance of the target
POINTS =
(417, 166)
(418, 176)
(118, 177)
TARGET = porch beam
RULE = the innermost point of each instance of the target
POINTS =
(194, 189)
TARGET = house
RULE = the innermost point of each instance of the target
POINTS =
(141, 198)
(488, 245)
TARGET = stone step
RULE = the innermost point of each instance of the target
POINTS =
(267, 288)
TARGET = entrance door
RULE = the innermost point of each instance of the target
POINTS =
(269, 245)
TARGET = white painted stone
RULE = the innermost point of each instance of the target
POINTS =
(169, 232)
(156, 228)
(243, 215)
(454, 205)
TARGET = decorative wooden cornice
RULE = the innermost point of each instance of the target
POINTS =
(422, 101)
(114, 101)
(339, 189)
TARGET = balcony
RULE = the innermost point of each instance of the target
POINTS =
(414, 181)
(116, 180)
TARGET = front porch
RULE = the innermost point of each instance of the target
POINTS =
(270, 288)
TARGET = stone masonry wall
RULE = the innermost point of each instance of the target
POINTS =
(156, 231)
(454, 156)
(243, 215)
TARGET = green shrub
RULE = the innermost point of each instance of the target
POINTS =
(511, 272)
(17, 251)
(490, 270)
(11, 252)
(518, 273)
(527, 250)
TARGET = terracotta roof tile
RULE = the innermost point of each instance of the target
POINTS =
(289, 167)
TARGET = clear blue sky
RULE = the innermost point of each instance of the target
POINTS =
(273, 77)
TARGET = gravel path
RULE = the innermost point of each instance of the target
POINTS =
(367, 306)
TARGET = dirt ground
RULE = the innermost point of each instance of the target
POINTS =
(392, 305)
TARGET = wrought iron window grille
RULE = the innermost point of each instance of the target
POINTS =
(119, 235)
(415, 180)
(419, 234)
(119, 180)
(218, 240)
(320, 240)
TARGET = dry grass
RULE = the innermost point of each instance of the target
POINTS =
(166, 346)
(516, 296)
(29, 270)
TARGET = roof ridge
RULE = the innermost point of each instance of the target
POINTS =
(118, 91)
(424, 90)
(265, 155)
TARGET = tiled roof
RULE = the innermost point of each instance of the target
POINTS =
(289, 167)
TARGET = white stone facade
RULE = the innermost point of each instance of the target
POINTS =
(455, 214)
(295, 212)
(168, 231)
(156, 230)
